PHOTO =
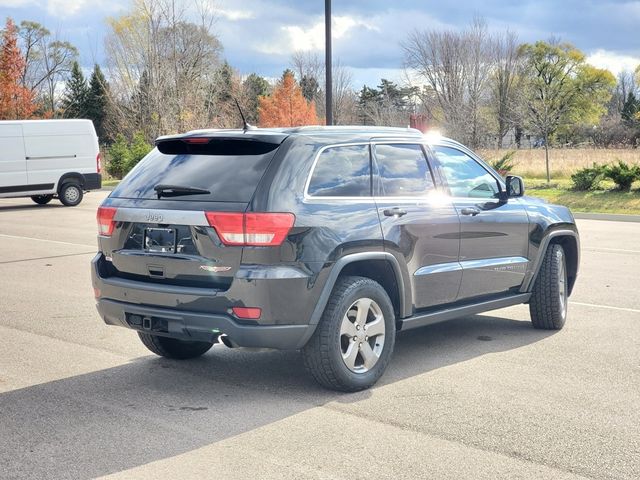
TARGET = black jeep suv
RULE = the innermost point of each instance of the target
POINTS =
(324, 239)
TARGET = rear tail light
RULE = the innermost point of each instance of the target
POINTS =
(98, 163)
(251, 229)
(106, 220)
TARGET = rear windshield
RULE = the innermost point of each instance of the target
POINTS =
(230, 177)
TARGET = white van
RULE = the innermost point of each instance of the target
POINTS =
(43, 159)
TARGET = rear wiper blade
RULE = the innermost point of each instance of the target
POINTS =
(177, 190)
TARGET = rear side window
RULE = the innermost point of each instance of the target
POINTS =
(342, 171)
(228, 170)
(402, 171)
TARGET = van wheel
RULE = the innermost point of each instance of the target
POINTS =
(42, 199)
(352, 345)
(70, 194)
(174, 348)
(548, 303)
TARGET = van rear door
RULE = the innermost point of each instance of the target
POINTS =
(13, 164)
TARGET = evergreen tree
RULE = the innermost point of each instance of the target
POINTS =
(97, 103)
(310, 87)
(119, 157)
(76, 95)
(630, 110)
(255, 87)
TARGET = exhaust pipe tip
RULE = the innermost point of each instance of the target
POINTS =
(226, 341)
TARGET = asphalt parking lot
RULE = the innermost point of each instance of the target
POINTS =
(481, 397)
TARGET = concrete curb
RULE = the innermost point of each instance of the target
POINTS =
(607, 216)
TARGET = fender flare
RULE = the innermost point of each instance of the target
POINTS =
(527, 285)
(68, 175)
(340, 264)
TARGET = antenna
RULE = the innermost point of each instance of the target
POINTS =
(245, 126)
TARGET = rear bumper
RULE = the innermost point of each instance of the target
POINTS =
(202, 327)
(200, 314)
(92, 181)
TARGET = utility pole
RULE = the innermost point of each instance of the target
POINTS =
(328, 64)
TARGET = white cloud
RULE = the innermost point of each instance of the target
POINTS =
(614, 62)
(298, 38)
(235, 15)
(14, 3)
(61, 8)
(66, 8)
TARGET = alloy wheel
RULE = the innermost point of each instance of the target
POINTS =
(362, 335)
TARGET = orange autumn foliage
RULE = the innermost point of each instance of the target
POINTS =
(286, 107)
(16, 101)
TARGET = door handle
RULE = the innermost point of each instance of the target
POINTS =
(473, 211)
(394, 212)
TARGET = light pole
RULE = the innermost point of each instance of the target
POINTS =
(328, 64)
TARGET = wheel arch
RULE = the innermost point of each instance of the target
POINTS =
(70, 176)
(570, 242)
(379, 266)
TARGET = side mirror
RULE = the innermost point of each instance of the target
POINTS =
(515, 186)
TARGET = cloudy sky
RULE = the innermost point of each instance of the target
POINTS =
(260, 36)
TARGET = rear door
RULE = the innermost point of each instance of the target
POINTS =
(493, 232)
(56, 147)
(418, 222)
(13, 164)
(182, 238)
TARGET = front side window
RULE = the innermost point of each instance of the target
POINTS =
(342, 171)
(466, 177)
(402, 171)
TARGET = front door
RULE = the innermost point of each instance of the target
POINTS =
(493, 232)
(418, 222)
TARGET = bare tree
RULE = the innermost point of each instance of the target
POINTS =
(48, 62)
(626, 84)
(439, 58)
(309, 68)
(504, 83)
(163, 67)
(479, 65)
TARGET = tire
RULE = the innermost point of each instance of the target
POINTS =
(173, 348)
(70, 194)
(42, 199)
(336, 343)
(549, 300)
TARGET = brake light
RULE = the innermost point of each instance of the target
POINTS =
(98, 163)
(105, 219)
(251, 229)
(197, 140)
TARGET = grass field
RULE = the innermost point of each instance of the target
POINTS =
(530, 163)
(604, 200)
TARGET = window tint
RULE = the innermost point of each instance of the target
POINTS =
(465, 176)
(342, 171)
(402, 170)
(229, 177)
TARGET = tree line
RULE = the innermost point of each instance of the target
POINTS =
(164, 72)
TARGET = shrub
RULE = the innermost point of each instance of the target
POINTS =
(138, 150)
(505, 163)
(123, 156)
(119, 157)
(622, 174)
(588, 178)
